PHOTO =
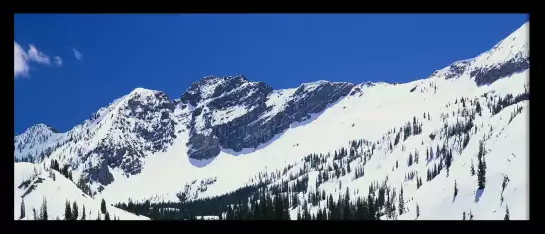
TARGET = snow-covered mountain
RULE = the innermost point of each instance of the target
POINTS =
(34, 184)
(225, 133)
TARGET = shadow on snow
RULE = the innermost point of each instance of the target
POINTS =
(478, 195)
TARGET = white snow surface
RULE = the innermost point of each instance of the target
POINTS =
(377, 109)
(391, 106)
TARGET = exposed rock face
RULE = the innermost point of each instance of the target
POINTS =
(141, 123)
(233, 113)
(486, 76)
(456, 69)
(100, 173)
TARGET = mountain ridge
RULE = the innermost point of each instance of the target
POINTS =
(223, 120)
(520, 33)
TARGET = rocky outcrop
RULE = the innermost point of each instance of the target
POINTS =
(139, 124)
(233, 113)
(486, 76)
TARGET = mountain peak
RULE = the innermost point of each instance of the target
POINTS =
(211, 87)
(144, 91)
(41, 127)
(36, 138)
(208, 80)
(508, 56)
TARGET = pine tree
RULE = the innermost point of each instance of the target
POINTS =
(43, 211)
(294, 200)
(464, 216)
(397, 165)
(319, 214)
(472, 171)
(506, 213)
(401, 202)
(427, 155)
(75, 211)
(23, 214)
(428, 178)
(481, 168)
(448, 161)
(67, 211)
(417, 211)
(370, 207)
(103, 206)
(470, 215)
(107, 216)
(98, 216)
(455, 189)
(83, 213)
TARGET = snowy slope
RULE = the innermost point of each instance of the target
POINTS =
(56, 192)
(374, 112)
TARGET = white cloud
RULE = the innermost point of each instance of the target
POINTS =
(77, 54)
(20, 66)
(37, 56)
(21, 59)
(58, 60)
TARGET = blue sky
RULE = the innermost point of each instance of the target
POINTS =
(169, 52)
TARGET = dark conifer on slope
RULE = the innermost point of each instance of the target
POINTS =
(401, 202)
(103, 206)
(75, 211)
(481, 168)
(427, 155)
(506, 213)
(472, 170)
(448, 161)
(67, 211)
(23, 213)
(83, 213)
(455, 189)
(417, 211)
(43, 210)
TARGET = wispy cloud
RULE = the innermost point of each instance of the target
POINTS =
(20, 66)
(58, 61)
(37, 56)
(77, 54)
(21, 59)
